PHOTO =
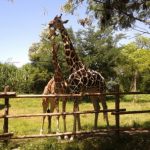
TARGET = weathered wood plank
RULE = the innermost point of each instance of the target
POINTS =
(59, 114)
(7, 94)
(131, 112)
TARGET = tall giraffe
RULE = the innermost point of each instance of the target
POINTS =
(55, 86)
(81, 79)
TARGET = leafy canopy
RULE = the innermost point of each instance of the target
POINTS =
(117, 13)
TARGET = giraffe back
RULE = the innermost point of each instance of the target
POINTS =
(86, 80)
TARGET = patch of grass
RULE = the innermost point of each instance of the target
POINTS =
(140, 98)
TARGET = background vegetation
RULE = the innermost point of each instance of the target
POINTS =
(127, 65)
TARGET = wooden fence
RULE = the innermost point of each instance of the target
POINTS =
(117, 111)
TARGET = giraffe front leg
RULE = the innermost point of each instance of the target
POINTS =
(57, 111)
(75, 120)
(96, 106)
(49, 121)
(57, 117)
(45, 106)
(104, 105)
(42, 127)
(76, 117)
(64, 116)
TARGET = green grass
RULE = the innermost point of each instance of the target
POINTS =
(27, 126)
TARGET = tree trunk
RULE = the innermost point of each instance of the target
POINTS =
(133, 87)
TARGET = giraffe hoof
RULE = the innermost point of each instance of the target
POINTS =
(66, 137)
(41, 132)
(71, 138)
(59, 138)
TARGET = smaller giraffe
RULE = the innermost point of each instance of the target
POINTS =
(55, 86)
(48, 102)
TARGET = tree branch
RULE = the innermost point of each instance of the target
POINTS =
(144, 32)
(123, 12)
(131, 16)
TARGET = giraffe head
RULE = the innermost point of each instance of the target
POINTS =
(55, 24)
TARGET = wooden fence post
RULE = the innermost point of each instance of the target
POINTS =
(6, 110)
(117, 107)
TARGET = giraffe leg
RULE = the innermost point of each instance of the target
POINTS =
(45, 106)
(75, 109)
(64, 116)
(49, 121)
(78, 116)
(96, 106)
(104, 105)
(64, 110)
(57, 110)
(57, 117)
(52, 107)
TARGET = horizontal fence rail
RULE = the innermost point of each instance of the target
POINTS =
(59, 114)
(131, 112)
(13, 94)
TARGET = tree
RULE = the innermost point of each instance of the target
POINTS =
(32, 79)
(134, 64)
(8, 76)
(142, 42)
(116, 13)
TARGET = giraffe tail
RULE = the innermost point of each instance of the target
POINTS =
(48, 111)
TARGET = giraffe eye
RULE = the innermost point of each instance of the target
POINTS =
(59, 20)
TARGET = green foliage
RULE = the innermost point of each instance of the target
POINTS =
(134, 63)
(8, 75)
(27, 79)
(119, 14)
(142, 42)
(33, 79)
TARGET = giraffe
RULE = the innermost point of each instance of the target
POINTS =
(81, 78)
(55, 85)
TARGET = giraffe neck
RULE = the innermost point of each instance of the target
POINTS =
(58, 75)
(72, 58)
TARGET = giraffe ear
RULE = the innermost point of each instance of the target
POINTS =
(65, 21)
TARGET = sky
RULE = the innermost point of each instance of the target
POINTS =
(22, 22)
